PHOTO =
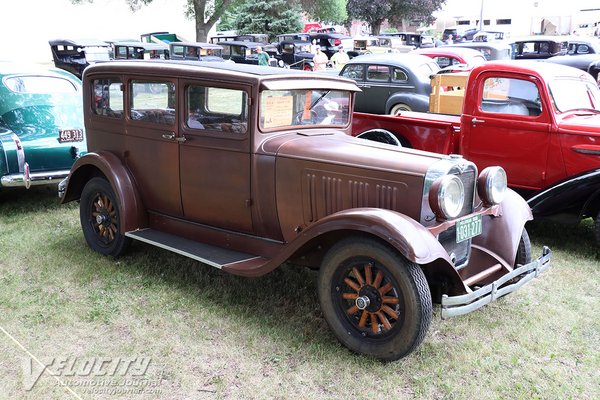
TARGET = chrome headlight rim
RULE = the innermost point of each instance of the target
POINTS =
(492, 185)
(444, 200)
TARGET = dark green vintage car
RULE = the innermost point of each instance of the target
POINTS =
(41, 124)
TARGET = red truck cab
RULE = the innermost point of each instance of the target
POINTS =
(539, 121)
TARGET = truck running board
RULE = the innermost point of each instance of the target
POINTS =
(212, 255)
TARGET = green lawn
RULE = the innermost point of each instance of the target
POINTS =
(213, 335)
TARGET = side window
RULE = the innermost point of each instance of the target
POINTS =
(108, 98)
(216, 109)
(399, 75)
(442, 61)
(177, 51)
(379, 73)
(354, 71)
(511, 96)
(152, 101)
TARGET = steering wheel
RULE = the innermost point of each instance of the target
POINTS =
(299, 120)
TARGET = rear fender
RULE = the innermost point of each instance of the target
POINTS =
(415, 102)
(110, 166)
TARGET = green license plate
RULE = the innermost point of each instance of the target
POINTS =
(467, 228)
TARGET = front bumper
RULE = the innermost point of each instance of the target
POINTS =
(34, 178)
(453, 306)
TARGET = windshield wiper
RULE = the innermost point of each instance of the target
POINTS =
(319, 99)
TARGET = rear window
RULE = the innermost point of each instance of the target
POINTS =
(39, 85)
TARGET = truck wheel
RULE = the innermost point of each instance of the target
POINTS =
(375, 301)
(398, 108)
(524, 250)
(100, 215)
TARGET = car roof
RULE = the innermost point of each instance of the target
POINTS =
(78, 42)
(202, 45)
(396, 59)
(547, 70)
(145, 45)
(241, 43)
(24, 68)
(251, 72)
(463, 52)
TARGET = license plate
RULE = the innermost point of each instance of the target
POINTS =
(70, 135)
(467, 228)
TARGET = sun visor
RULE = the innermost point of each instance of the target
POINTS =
(292, 84)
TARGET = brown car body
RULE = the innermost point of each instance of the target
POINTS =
(247, 194)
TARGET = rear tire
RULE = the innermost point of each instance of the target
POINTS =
(375, 301)
(398, 108)
(597, 228)
(100, 217)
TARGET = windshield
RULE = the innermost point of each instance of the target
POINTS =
(303, 107)
(574, 94)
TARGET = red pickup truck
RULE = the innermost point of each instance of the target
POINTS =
(539, 121)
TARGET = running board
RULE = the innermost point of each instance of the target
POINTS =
(214, 256)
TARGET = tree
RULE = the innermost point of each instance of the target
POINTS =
(374, 12)
(268, 16)
(333, 11)
(206, 13)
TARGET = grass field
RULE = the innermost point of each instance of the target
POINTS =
(210, 335)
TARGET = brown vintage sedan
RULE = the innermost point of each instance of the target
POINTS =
(244, 167)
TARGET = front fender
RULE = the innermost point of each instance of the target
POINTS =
(403, 233)
(577, 196)
(416, 102)
(110, 166)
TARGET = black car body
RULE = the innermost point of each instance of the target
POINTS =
(75, 55)
(295, 54)
(140, 51)
(197, 51)
(589, 63)
(391, 82)
(331, 42)
(538, 47)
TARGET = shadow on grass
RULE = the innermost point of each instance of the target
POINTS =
(575, 239)
(24, 201)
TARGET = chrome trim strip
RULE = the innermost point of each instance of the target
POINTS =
(36, 178)
(453, 306)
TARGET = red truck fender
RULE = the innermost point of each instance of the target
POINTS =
(108, 165)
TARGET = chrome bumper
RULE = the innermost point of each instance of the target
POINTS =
(463, 304)
(34, 178)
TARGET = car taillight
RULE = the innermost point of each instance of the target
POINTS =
(337, 42)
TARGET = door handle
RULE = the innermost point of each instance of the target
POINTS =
(181, 139)
(475, 121)
(169, 136)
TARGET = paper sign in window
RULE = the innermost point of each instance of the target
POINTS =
(278, 111)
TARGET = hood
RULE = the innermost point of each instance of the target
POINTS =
(338, 148)
(584, 123)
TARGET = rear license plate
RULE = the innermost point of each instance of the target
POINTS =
(70, 135)
(467, 228)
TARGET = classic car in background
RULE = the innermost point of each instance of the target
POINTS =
(538, 47)
(140, 51)
(197, 51)
(366, 45)
(391, 82)
(459, 33)
(499, 50)
(75, 55)
(586, 62)
(488, 36)
(244, 52)
(41, 124)
(453, 56)
(394, 44)
(295, 54)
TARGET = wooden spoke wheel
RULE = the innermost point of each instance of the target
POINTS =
(375, 301)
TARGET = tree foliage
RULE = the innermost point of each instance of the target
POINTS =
(267, 16)
(332, 11)
(374, 12)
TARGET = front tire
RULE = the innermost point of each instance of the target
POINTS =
(524, 251)
(597, 228)
(100, 218)
(375, 301)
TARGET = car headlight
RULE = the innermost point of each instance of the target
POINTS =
(491, 185)
(447, 196)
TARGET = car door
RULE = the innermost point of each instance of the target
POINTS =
(509, 127)
(215, 155)
(357, 73)
(151, 146)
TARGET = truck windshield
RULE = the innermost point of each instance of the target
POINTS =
(304, 107)
(575, 94)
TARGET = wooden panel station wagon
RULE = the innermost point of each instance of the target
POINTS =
(244, 167)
